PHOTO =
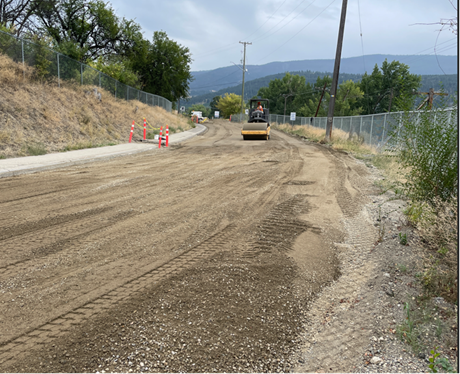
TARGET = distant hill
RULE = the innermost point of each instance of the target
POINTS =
(252, 87)
(214, 80)
(449, 83)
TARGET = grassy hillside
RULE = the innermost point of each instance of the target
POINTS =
(38, 117)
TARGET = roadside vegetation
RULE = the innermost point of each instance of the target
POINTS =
(91, 32)
(420, 166)
(426, 153)
(340, 140)
(38, 117)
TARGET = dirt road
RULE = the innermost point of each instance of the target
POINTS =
(202, 257)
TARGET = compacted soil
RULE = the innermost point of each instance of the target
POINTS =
(217, 254)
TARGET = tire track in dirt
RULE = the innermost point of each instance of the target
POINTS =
(257, 176)
(145, 192)
(75, 233)
(30, 227)
(340, 322)
(279, 229)
(45, 333)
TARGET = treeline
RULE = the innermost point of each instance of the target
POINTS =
(388, 88)
(90, 32)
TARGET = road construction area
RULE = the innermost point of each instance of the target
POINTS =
(215, 254)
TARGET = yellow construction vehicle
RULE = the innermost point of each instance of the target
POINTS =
(258, 126)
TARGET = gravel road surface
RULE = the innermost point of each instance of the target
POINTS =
(207, 256)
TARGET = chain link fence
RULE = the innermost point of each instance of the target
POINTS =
(374, 129)
(51, 65)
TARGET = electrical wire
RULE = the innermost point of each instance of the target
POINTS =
(362, 51)
(273, 51)
(268, 18)
(298, 14)
(234, 45)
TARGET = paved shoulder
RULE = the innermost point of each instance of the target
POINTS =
(31, 164)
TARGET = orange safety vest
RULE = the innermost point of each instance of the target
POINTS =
(260, 108)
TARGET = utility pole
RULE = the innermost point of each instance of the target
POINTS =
(391, 99)
(321, 98)
(429, 100)
(335, 76)
(285, 100)
(244, 69)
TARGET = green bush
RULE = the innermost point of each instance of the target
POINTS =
(426, 149)
(36, 149)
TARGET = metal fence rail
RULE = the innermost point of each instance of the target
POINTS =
(50, 64)
(374, 129)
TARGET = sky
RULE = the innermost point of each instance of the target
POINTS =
(288, 30)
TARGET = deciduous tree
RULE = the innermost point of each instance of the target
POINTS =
(85, 30)
(16, 15)
(385, 87)
(229, 104)
(164, 66)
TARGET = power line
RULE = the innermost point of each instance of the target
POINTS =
(268, 18)
(362, 47)
(232, 45)
(298, 14)
(273, 51)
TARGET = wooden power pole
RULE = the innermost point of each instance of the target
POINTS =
(335, 76)
(321, 98)
(429, 99)
(244, 69)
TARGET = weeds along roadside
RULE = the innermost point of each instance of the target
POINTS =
(426, 154)
(38, 117)
(429, 188)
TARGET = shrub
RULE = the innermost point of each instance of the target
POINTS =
(426, 149)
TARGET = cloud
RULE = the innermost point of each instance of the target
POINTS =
(284, 30)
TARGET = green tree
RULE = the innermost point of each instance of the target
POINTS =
(164, 66)
(119, 69)
(348, 99)
(17, 15)
(214, 103)
(287, 94)
(385, 87)
(85, 30)
(200, 108)
(229, 104)
(312, 102)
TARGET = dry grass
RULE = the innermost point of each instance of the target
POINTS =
(340, 140)
(438, 229)
(69, 117)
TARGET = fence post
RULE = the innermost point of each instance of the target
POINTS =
(23, 65)
(81, 74)
(127, 93)
(384, 123)
(116, 84)
(59, 73)
(372, 124)
(99, 79)
(341, 123)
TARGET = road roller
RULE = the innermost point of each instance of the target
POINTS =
(258, 126)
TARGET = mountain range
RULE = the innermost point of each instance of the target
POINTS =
(209, 81)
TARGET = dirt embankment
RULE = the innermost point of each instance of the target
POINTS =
(38, 118)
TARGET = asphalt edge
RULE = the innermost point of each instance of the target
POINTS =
(198, 130)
